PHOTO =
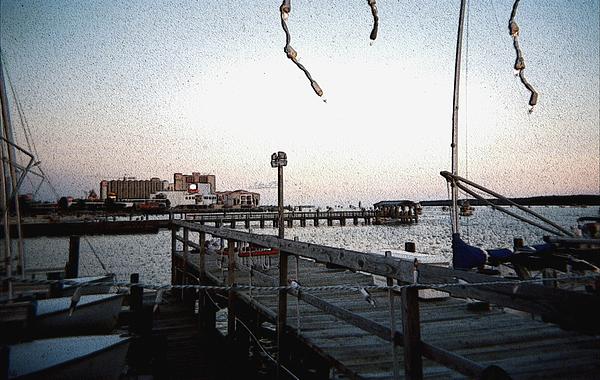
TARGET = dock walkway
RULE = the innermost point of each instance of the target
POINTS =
(354, 340)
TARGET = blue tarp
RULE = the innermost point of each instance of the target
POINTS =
(465, 256)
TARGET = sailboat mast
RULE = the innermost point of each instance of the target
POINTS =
(12, 157)
(455, 103)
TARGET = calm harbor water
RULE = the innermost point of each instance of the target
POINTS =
(149, 255)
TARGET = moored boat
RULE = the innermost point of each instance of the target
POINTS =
(82, 357)
(93, 314)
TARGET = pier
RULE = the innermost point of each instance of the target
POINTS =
(269, 219)
(325, 329)
(99, 224)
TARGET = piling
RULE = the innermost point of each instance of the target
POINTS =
(72, 267)
(410, 246)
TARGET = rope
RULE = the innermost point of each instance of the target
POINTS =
(520, 61)
(95, 254)
(274, 289)
(285, 9)
(373, 5)
(264, 350)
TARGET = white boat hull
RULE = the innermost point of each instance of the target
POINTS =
(86, 357)
(104, 288)
(94, 314)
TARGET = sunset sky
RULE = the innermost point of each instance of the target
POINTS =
(148, 88)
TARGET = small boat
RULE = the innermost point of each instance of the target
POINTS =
(93, 314)
(82, 357)
(103, 287)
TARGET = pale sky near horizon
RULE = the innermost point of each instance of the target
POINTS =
(146, 89)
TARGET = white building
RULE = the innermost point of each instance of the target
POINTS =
(198, 194)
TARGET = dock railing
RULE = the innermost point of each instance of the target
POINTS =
(571, 309)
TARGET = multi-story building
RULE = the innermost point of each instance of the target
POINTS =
(183, 181)
(130, 188)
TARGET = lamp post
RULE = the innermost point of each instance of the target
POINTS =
(279, 160)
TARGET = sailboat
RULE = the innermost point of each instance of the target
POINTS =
(563, 251)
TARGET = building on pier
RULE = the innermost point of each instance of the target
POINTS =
(395, 212)
(238, 199)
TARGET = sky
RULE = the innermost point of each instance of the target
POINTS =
(145, 89)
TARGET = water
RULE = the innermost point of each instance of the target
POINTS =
(149, 255)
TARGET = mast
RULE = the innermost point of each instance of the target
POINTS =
(12, 184)
(454, 145)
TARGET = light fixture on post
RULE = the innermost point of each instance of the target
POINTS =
(279, 160)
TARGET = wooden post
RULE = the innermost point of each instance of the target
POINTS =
(202, 263)
(230, 282)
(282, 309)
(411, 330)
(395, 348)
(518, 243)
(135, 304)
(173, 254)
(184, 279)
(72, 267)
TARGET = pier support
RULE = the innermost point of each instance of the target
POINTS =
(411, 330)
(232, 224)
(247, 223)
(174, 230)
(342, 222)
(290, 223)
(72, 267)
(302, 222)
(262, 223)
(231, 282)
(282, 310)
(329, 222)
(316, 222)
(355, 221)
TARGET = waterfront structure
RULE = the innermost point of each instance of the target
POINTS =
(183, 181)
(395, 212)
(197, 195)
(130, 188)
(238, 199)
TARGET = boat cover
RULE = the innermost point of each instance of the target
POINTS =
(465, 256)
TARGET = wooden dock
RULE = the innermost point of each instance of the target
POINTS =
(108, 225)
(335, 333)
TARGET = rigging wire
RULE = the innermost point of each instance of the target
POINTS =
(519, 66)
(95, 254)
(468, 9)
(27, 132)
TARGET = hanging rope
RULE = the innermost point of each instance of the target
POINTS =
(513, 28)
(285, 9)
(373, 5)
